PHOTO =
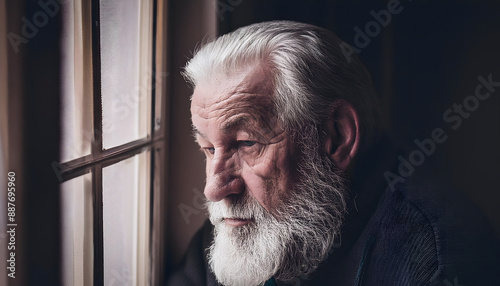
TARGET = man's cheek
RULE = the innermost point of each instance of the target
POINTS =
(208, 167)
(256, 170)
(257, 188)
(253, 183)
(264, 166)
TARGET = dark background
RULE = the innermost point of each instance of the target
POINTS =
(428, 58)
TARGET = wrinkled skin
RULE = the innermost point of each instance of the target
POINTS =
(246, 151)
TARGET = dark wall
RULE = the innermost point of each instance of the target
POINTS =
(189, 21)
(426, 59)
(33, 137)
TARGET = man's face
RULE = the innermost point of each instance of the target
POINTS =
(245, 150)
(273, 214)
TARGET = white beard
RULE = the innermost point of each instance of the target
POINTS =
(293, 242)
(246, 255)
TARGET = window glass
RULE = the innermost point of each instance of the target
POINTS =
(126, 79)
(125, 220)
(77, 231)
(124, 86)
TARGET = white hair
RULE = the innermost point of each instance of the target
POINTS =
(310, 72)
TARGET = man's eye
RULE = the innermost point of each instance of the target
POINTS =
(247, 143)
(210, 150)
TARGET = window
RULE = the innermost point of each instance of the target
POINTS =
(112, 142)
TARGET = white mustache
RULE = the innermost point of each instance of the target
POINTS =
(246, 210)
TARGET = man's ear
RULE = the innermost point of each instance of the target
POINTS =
(342, 134)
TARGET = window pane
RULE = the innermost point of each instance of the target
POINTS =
(125, 70)
(126, 188)
(76, 111)
(77, 231)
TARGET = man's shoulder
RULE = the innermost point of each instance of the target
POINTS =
(425, 232)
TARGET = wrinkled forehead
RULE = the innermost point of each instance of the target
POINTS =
(248, 91)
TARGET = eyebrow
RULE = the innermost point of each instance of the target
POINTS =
(236, 123)
(196, 133)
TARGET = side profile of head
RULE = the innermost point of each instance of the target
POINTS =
(281, 115)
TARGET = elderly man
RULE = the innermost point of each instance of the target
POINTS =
(295, 164)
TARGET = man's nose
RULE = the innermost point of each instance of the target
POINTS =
(223, 178)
